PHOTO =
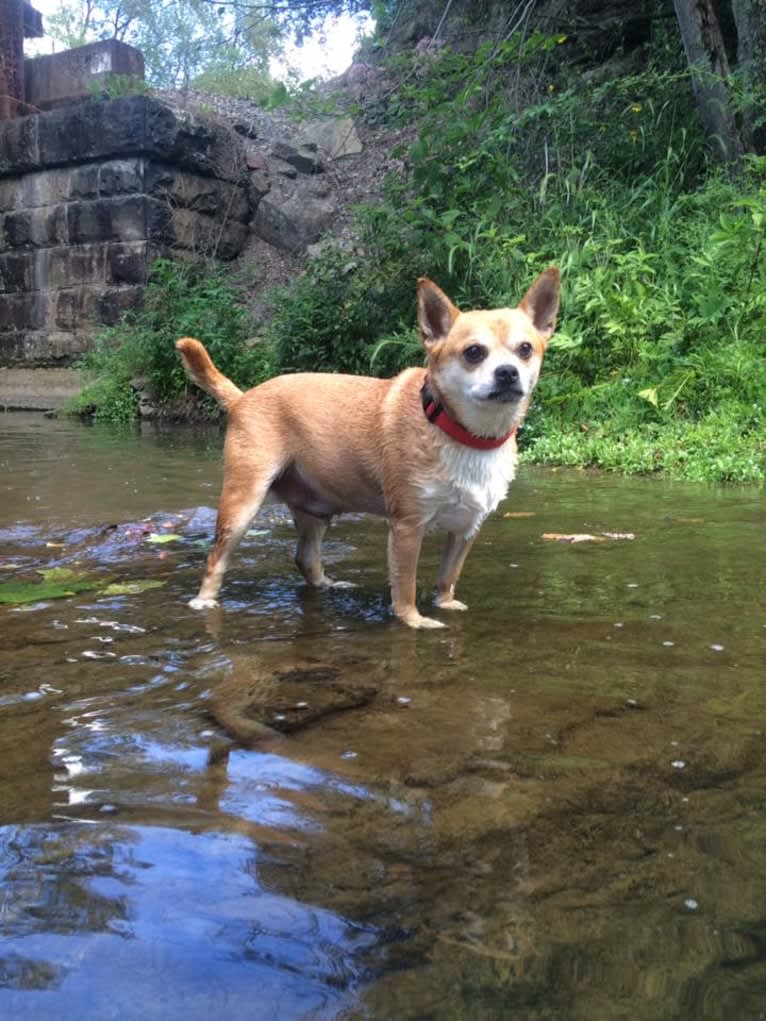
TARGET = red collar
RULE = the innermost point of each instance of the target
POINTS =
(435, 413)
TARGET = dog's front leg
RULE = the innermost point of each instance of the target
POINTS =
(456, 550)
(404, 541)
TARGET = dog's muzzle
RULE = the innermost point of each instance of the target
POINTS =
(507, 384)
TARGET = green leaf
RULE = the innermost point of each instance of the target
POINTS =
(450, 215)
(650, 394)
(63, 582)
(62, 575)
(132, 588)
(564, 342)
(159, 538)
(33, 592)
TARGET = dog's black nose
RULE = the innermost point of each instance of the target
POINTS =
(506, 375)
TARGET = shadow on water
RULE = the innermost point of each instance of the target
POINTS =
(297, 808)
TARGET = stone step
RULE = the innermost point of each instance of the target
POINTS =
(39, 389)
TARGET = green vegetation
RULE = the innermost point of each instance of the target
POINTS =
(659, 362)
(517, 163)
(139, 356)
(63, 582)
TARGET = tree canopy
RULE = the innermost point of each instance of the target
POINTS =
(226, 41)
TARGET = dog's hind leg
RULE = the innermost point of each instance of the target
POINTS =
(456, 550)
(308, 554)
(241, 498)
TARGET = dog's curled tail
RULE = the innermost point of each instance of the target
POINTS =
(199, 367)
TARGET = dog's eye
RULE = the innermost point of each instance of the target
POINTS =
(475, 353)
(525, 350)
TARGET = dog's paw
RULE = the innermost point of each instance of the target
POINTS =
(420, 622)
(427, 623)
(203, 604)
(330, 583)
(450, 604)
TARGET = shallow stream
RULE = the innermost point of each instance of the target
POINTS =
(297, 808)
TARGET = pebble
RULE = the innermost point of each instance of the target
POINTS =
(691, 904)
(678, 764)
(717, 648)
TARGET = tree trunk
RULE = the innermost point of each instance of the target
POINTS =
(710, 71)
(11, 56)
(750, 19)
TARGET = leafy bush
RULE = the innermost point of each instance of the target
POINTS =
(331, 319)
(182, 299)
(659, 361)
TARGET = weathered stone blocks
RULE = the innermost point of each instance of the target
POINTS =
(90, 194)
(20, 311)
(97, 130)
(80, 72)
(126, 263)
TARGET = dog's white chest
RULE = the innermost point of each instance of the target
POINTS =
(466, 487)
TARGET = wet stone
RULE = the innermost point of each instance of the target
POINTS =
(291, 698)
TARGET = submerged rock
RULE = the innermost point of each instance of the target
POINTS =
(290, 698)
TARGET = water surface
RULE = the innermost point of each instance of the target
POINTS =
(296, 808)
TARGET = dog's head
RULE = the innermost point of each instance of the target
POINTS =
(485, 364)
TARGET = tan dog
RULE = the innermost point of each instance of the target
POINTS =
(433, 447)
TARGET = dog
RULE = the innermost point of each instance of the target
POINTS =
(432, 447)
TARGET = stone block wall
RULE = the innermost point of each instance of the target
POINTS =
(90, 194)
(80, 73)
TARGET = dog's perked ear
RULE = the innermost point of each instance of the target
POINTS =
(436, 313)
(541, 302)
